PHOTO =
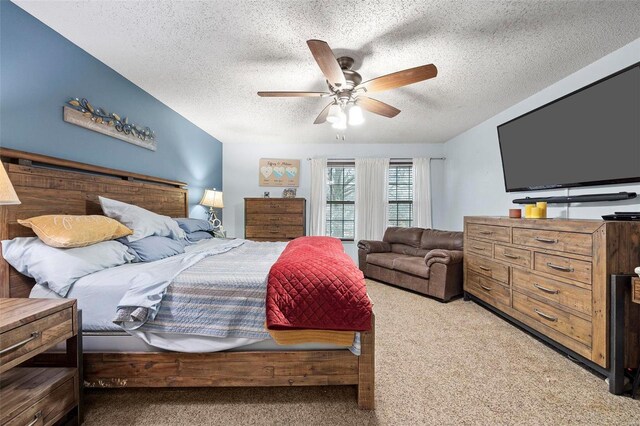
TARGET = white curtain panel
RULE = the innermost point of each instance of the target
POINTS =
(372, 176)
(422, 192)
(318, 219)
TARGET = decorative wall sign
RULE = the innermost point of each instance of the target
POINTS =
(279, 172)
(81, 113)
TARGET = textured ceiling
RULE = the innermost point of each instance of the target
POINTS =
(207, 60)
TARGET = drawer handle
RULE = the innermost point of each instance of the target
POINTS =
(478, 248)
(33, 336)
(546, 240)
(511, 256)
(484, 268)
(560, 268)
(546, 290)
(36, 418)
(486, 232)
(485, 288)
(546, 316)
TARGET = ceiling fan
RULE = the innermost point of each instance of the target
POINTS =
(346, 88)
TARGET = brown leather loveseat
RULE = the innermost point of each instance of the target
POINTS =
(424, 260)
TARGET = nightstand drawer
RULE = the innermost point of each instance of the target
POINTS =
(50, 404)
(32, 338)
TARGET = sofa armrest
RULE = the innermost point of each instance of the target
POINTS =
(447, 257)
(374, 246)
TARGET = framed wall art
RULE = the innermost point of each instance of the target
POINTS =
(278, 172)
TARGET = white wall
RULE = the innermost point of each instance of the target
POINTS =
(240, 173)
(474, 182)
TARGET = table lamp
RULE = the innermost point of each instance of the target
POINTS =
(8, 195)
(213, 200)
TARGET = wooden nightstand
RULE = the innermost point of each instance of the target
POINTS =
(635, 290)
(37, 388)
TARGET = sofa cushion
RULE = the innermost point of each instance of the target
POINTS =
(408, 250)
(447, 240)
(386, 259)
(412, 265)
(408, 236)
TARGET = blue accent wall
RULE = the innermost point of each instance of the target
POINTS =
(40, 70)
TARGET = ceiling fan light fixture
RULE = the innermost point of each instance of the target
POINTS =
(341, 124)
(355, 115)
(335, 113)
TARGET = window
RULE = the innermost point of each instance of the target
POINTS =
(400, 195)
(341, 212)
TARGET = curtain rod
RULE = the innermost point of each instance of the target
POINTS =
(393, 159)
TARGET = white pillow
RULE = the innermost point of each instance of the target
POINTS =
(59, 268)
(143, 222)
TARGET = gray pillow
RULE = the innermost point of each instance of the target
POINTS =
(153, 248)
(143, 222)
(190, 225)
(59, 268)
(194, 237)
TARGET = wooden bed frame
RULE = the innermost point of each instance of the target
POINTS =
(48, 185)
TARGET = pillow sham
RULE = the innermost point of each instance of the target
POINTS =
(153, 248)
(194, 237)
(59, 268)
(68, 231)
(193, 225)
(143, 222)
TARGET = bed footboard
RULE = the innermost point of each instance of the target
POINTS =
(233, 369)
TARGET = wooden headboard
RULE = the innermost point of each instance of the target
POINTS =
(48, 185)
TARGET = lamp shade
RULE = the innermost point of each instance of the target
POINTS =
(7, 193)
(212, 198)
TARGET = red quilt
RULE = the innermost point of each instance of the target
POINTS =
(315, 285)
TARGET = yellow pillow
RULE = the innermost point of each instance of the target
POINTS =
(67, 231)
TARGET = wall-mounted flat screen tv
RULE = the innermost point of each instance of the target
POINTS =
(589, 137)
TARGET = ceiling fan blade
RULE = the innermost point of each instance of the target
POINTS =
(377, 107)
(327, 62)
(292, 94)
(400, 78)
(323, 114)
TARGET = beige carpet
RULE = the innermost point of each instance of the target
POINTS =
(437, 363)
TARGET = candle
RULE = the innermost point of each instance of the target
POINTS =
(542, 205)
(527, 210)
(536, 213)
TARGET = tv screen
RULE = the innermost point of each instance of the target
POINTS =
(589, 137)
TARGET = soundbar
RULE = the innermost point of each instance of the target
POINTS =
(588, 198)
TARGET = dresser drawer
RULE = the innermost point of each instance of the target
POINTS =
(482, 248)
(570, 242)
(489, 232)
(34, 337)
(565, 267)
(513, 255)
(280, 219)
(568, 324)
(268, 206)
(49, 409)
(488, 268)
(490, 289)
(576, 298)
(274, 231)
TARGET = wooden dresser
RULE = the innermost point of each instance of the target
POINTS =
(274, 219)
(551, 275)
(39, 394)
